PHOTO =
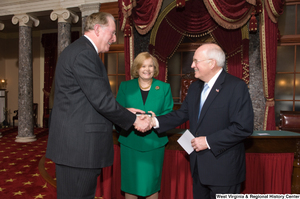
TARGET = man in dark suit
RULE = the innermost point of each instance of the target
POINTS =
(226, 119)
(80, 140)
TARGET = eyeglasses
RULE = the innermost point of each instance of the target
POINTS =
(195, 61)
(113, 33)
(104, 27)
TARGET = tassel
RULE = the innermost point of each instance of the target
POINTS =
(253, 20)
(180, 3)
(127, 29)
(253, 23)
(258, 7)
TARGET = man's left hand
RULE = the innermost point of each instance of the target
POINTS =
(199, 143)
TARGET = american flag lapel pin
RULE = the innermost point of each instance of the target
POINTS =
(217, 90)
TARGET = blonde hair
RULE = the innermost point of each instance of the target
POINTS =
(138, 63)
(100, 18)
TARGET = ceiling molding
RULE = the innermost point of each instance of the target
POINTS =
(13, 7)
(42, 9)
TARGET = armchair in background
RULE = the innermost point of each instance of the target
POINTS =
(186, 81)
(15, 117)
(290, 121)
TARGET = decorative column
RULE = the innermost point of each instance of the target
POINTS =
(25, 103)
(2, 108)
(87, 10)
(65, 17)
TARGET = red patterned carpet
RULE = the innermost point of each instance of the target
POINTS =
(19, 173)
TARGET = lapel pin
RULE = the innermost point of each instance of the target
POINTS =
(157, 88)
(217, 90)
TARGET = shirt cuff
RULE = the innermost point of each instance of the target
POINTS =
(157, 123)
(207, 143)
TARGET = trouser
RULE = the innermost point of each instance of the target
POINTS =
(76, 183)
(201, 191)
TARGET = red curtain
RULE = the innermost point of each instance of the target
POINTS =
(143, 13)
(266, 173)
(271, 10)
(176, 180)
(236, 45)
(49, 42)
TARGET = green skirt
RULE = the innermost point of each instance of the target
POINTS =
(141, 170)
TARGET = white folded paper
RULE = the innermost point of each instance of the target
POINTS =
(185, 141)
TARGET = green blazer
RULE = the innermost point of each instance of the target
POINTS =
(159, 101)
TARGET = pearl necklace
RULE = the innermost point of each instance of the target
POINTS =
(144, 88)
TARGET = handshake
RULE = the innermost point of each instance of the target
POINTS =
(144, 121)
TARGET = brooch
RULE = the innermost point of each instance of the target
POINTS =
(157, 88)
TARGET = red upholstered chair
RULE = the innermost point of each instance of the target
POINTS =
(290, 121)
(186, 81)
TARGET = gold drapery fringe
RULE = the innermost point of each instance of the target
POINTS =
(223, 21)
(263, 51)
(145, 29)
(131, 49)
(245, 32)
(270, 11)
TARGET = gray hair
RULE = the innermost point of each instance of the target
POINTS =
(100, 18)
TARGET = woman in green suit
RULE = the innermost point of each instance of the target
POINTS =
(142, 154)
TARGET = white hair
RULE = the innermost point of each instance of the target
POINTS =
(215, 52)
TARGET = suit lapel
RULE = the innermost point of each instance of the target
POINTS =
(217, 87)
(88, 42)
